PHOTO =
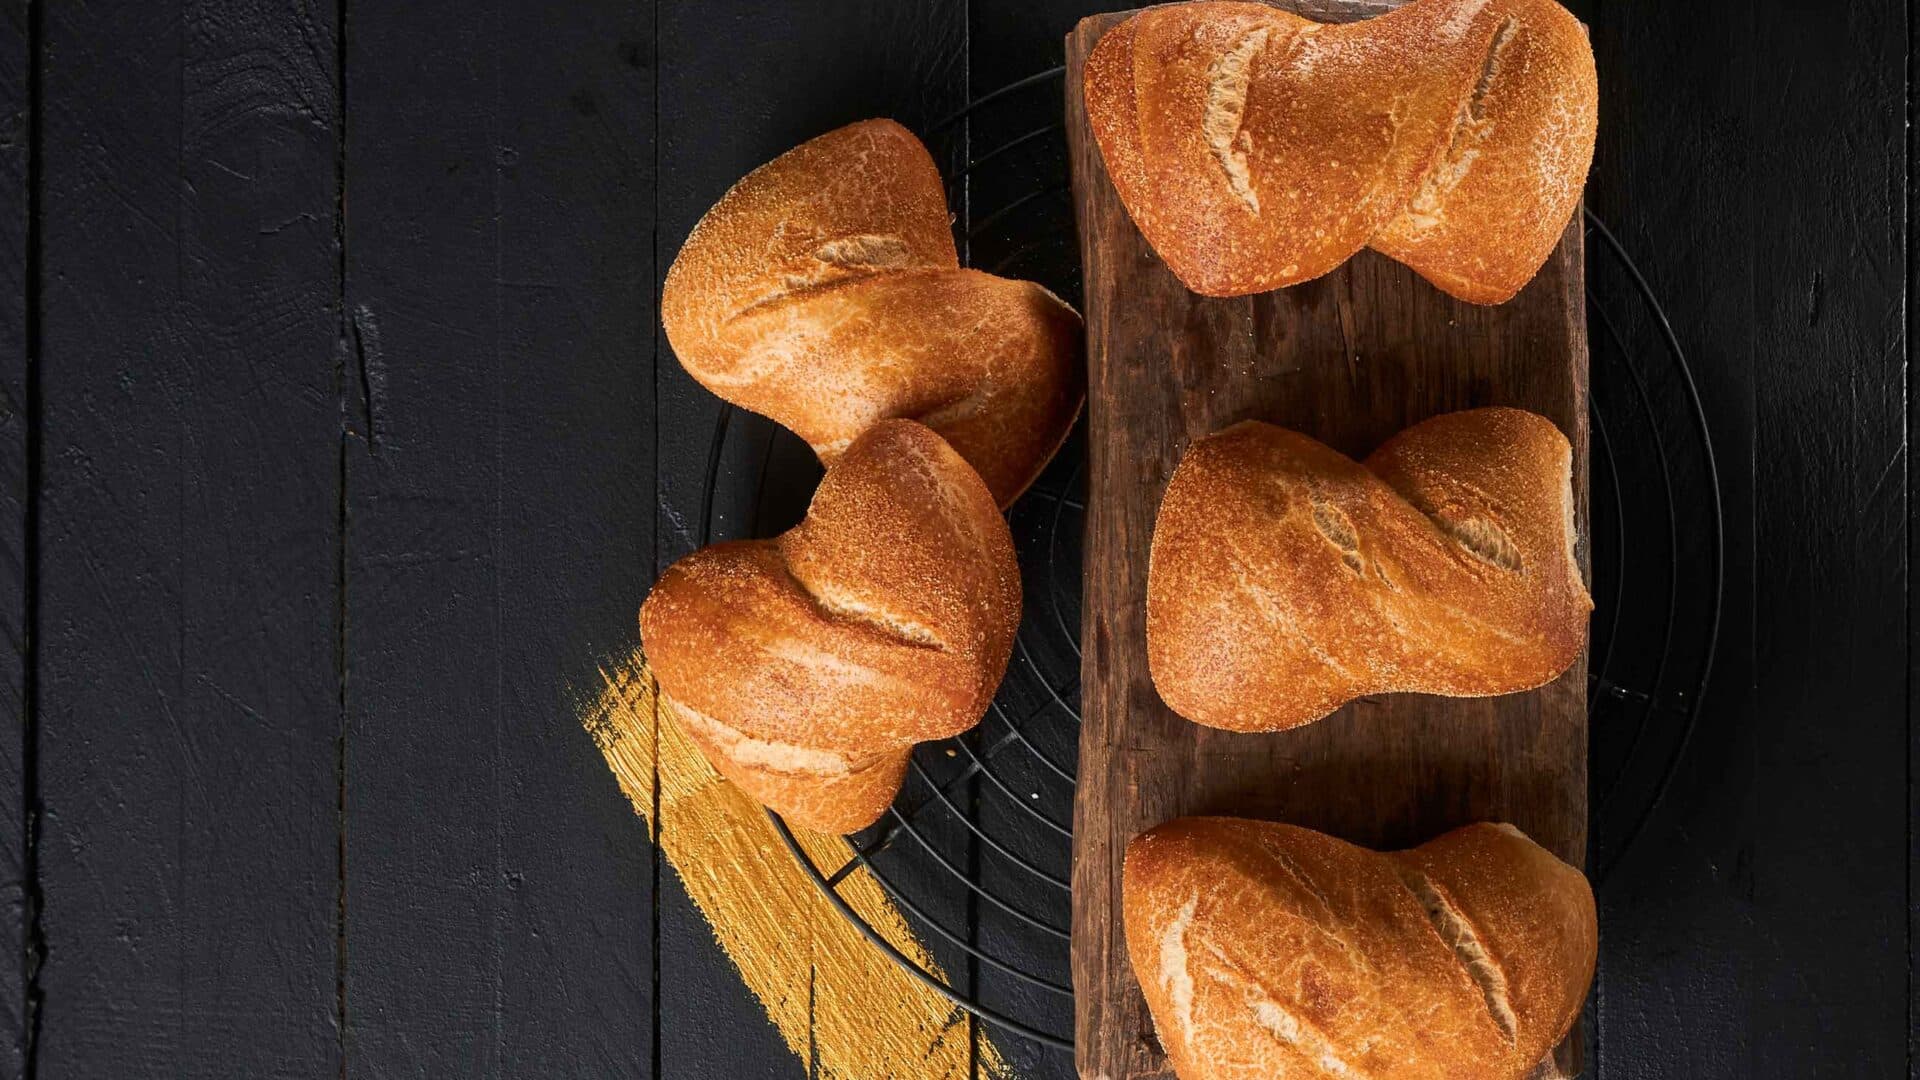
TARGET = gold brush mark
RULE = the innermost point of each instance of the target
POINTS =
(869, 1019)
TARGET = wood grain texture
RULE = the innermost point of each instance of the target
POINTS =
(498, 492)
(17, 460)
(188, 692)
(1349, 359)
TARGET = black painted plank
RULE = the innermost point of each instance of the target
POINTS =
(188, 702)
(1753, 159)
(1830, 521)
(739, 84)
(1912, 491)
(499, 520)
(16, 261)
(1912, 477)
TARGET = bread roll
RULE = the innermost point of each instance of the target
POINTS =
(806, 667)
(1267, 950)
(823, 291)
(1286, 579)
(1256, 149)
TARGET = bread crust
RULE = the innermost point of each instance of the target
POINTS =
(1286, 579)
(1270, 950)
(823, 291)
(807, 666)
(1256, 149)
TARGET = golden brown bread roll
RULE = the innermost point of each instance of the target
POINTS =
(1286, 579)
(1257, 149)
(823, 291)
(1268, 950)
(805, 667)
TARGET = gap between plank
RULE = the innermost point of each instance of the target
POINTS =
(34, 939)
(349, 338)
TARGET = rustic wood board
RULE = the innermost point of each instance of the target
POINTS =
(1349, 359)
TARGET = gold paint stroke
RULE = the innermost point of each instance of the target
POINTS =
(869, 1019)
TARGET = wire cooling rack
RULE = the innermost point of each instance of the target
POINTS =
(977, 849)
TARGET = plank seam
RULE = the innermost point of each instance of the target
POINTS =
(348, 338)
(653, 822)
(340, 751)
(35, 936)
(1906, 443)
(496, 138)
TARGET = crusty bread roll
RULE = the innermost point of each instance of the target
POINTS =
(1267, 950)
(1286, 579)
(806, 667)
(1256, 149)
(823, 291)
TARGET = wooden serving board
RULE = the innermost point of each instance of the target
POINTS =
(1350, 359)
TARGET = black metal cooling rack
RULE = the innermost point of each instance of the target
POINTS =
(977, 849)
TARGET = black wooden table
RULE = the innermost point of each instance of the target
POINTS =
(341, 443)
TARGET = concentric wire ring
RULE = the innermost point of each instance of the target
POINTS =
(977, 849)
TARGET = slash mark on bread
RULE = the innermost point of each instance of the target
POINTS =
(1228, 80)
(1252, 584)
(878, 251)
(1334, 525)
(1485, 541)
(1477, 101)
(1426, 208)
(770, 754)
(1174, 969)
(849, 608)
(795, 288)
(1292, 1030)
(1292, 869)
(1453, 927)
(1275, 1020)
(836, 263)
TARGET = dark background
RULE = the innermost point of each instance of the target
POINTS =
(341, 444)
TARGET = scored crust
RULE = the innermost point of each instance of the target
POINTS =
(1270, 950)
(1257, 149)
(823, 291)
(1286, 579)
(806, 666)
